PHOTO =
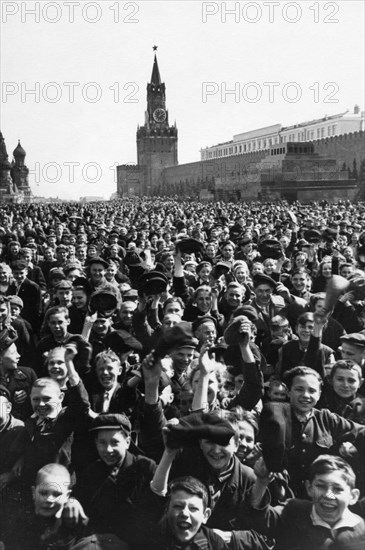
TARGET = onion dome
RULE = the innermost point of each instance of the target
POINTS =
(19, 151)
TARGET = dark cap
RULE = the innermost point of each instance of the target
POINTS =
(97, 260)
(196, 426)
(111, 422)
(56, 272)
(244, 241)
(103, 300)
(262, 279)
(355, 339)
(220, 268)
(130, 294)
(270, 248)
(329, 235)
(153, 282)
(204, 319)
(19, 264)
(81, 283)
(121, 341)
(189, 246)
(248, 311)
(312, 236)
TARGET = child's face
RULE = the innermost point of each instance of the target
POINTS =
(247, 439)
(185, 515)
(56, 365)
(277, 393)
(218, 456)
(354, 353)
(331, 496)
(107, 372)
(15, 310)
(58, 325)
(112, 446)
(345, 382)
(50, 495)
(47, 401)
(304, 331)
(304, 393)
(10, 358)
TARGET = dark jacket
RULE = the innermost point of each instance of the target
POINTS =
(293, 529)
(114, 504)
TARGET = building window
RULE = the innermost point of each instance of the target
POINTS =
(240, 148)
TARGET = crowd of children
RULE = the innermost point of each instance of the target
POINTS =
(182, 376)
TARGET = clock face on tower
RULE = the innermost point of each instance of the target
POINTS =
(159, 115)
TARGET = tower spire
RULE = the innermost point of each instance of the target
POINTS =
(155, 77)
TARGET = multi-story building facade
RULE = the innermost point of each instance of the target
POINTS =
(263, 138)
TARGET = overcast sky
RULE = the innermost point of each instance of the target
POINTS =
(89, 63)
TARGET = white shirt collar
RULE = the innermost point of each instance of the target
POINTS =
(349, 519)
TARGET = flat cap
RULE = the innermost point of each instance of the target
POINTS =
(16, 301)
(356, 339)
(189, 246)
(111, 422)
(19, 264)
(121, 341)
(203, 319)
(81, 283)
(65, 284)
(312, 236)
(56, 272)
(130, 294)
(97, 260)
(198, 426)
(104, 300)
(270, 248)
(262, 279)
(153, 282)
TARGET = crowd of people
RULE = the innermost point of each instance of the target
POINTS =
(179, 375)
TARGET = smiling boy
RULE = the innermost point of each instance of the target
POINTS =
(326, 522)
(187, 511)
(112, 489)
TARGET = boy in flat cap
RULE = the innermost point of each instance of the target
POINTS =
(112, 489)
